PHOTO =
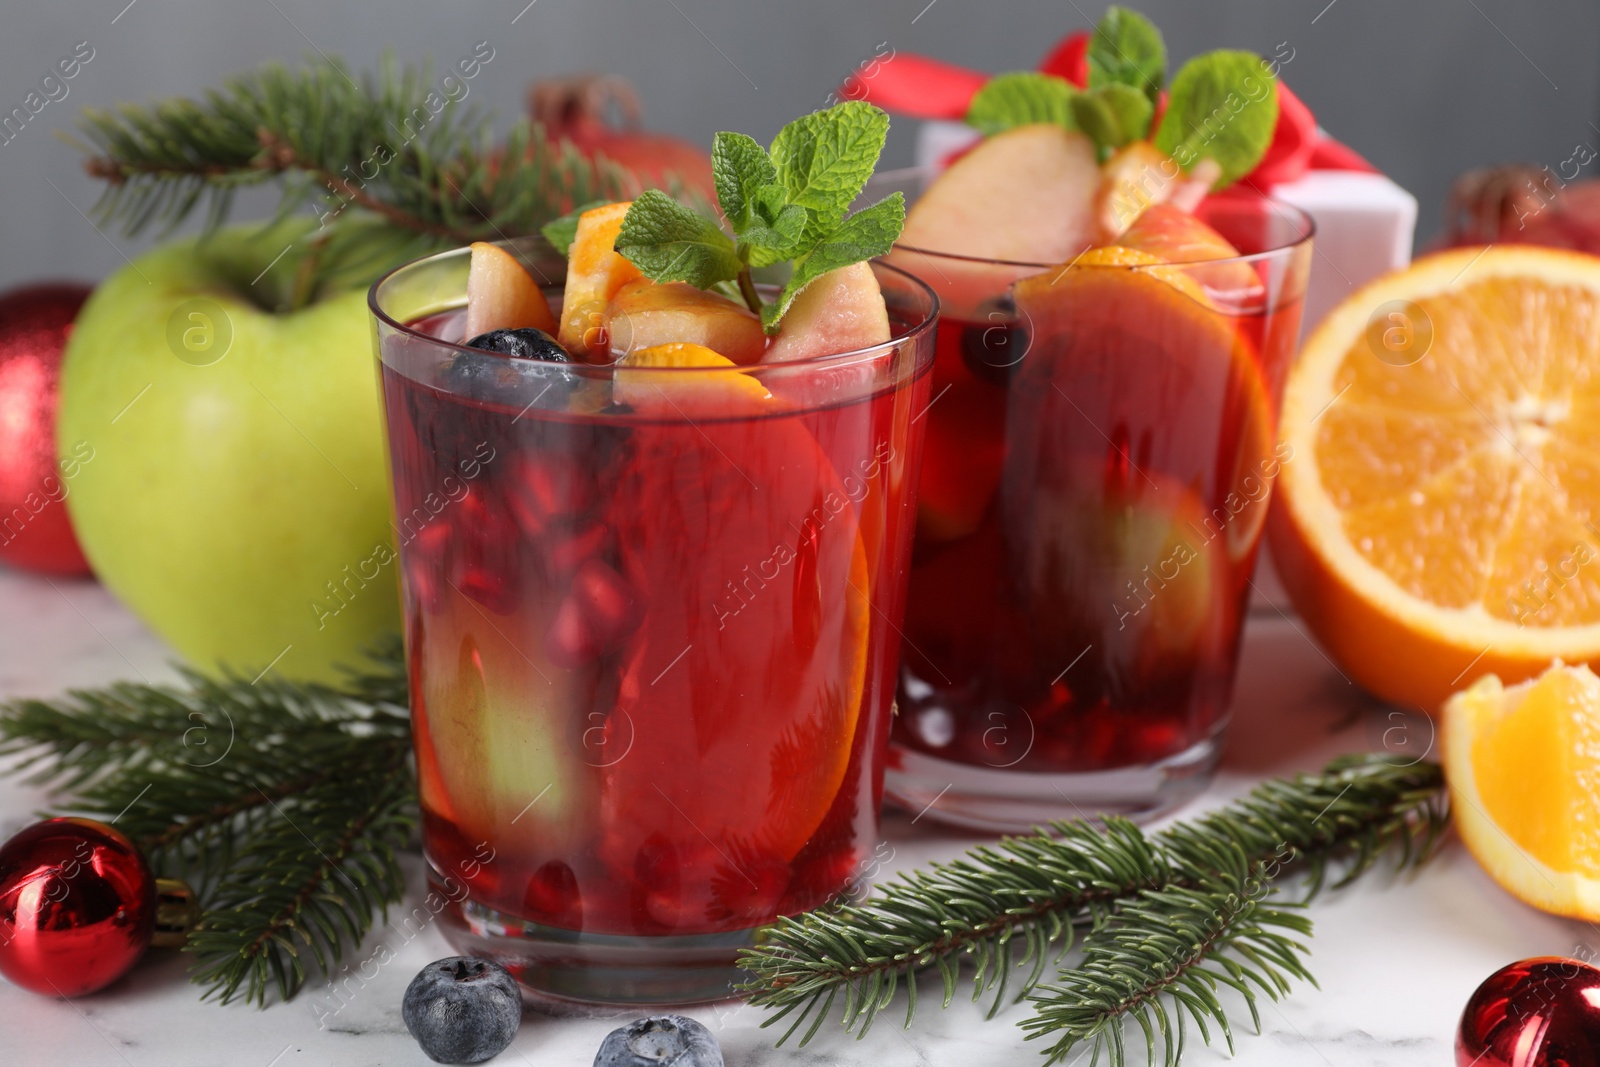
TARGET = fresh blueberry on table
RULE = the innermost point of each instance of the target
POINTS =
(463, 1010)
(659, 1041)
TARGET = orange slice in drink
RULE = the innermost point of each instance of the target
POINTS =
(1129, 360)
(702, 390)
(741, 690)
(1442, 474)
(1524, 770)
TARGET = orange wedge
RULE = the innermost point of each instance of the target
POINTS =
(595, 271)
(700, 390)
(1437, 507)
(1524, 770)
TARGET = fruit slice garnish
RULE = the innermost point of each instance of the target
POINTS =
(1137, 393)
(745, 679)
(496, 727)
(502, 295)
(842, 311)
(699, 391)
(1036, 288)
(1524, 769)
(1137, 175)
(1023, 196)
(644, 313)
(595, 271)
(1438, 506)
(1129, 556)
(1175, 236)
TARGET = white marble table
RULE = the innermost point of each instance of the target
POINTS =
(1396, 959)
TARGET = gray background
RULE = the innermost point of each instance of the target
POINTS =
(1425, 89)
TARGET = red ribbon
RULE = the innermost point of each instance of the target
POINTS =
(923, 88)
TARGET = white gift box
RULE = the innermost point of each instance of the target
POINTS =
(1365, 222)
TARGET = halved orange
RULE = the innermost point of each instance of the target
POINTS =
(1524, 770)
(1437, 507)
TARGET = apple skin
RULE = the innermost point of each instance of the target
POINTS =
(226, 498)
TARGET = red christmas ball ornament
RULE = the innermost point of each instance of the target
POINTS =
(35, 533)
(1542, 1012)
(78, 907)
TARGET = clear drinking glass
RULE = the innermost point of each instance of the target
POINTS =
(1101, 448)
(652, 628)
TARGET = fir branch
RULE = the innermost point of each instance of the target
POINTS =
(283, 803)
(1020, 903)
(307, 881)
(1166, 957)
(334, 142)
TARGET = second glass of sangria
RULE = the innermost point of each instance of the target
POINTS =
(1101, 447)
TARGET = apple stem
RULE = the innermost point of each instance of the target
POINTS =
(747, 289)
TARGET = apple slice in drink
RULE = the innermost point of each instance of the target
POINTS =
(595, 271)
(644, 313)
(502, 295)
(842, 311)
(494, 736)
(1023, 196)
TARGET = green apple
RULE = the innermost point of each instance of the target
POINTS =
(238, 498)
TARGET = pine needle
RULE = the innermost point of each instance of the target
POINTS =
(353, 150)
(284, 804)
(1168, 919)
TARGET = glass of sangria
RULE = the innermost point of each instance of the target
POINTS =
(651, 624)
(1100, 452)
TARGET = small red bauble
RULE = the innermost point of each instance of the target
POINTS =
(77, 907)
(34, 530)
(1542, 1012)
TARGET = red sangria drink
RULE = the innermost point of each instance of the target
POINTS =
(651, 596)
(1101, 446)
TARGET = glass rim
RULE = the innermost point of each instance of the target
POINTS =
(924, 325)
(1301, 219)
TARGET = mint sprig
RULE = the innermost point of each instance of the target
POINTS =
(671, 242)
(787, 204)
(1112, 115)
(1022, 98)
(1222, 105)
(1127, 49)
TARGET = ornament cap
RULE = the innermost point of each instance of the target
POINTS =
(177, 913)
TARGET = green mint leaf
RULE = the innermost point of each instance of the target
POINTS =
(1127, 49)
(673, 243)
(869, 232)
(740, 168)
(765, 245)
(561, 232)
(1021, 99)
(770, 200)
(824, 158)
(1222, 106)
(1113, 115)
